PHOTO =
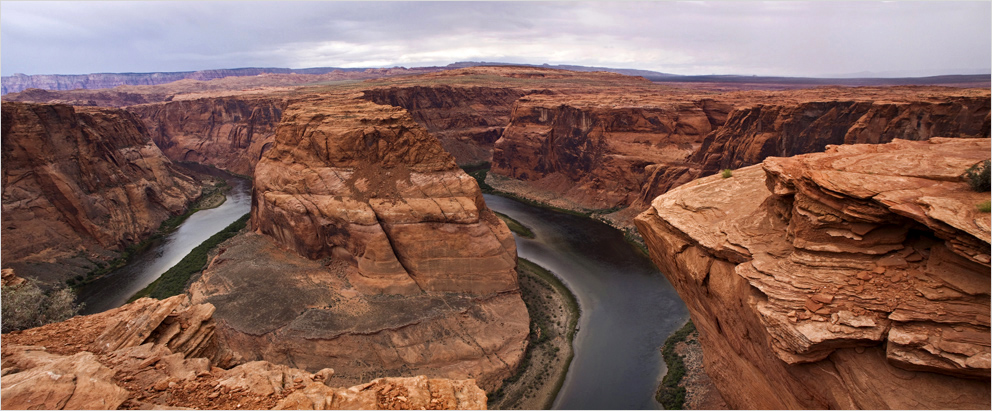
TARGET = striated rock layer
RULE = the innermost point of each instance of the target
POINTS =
(229, 133)
(853, 278)
(81, 181)
(160, 354)
(388, 260)
(609, 149)
(598, 149)
(466, 120)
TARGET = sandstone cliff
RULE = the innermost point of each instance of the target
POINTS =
(81, 181)
(466, 120)
(605, 150)
(854, 278)
(754, 132)
(388, 260)
(598, 149)
(155, 354)
(229, 133)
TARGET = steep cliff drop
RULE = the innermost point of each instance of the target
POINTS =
(78, 184)
(603, 151)
(155, 354)
(853, 278)
(387, 260)
(466, 120)
(229, 133)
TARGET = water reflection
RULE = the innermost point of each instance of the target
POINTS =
(628, 307)
(114, 289)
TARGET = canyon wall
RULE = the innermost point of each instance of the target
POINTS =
(755, 132)
(610, 150)
(388, 260)
(79, 182)
(466, 120)
(154, 354)
(598, 149)
(229, 133)
(853, 278)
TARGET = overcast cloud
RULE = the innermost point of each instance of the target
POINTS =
(763, 38)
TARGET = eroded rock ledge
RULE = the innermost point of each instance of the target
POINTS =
(154, 354)
(854, 278)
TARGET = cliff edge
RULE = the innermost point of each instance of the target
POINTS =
(853, 278)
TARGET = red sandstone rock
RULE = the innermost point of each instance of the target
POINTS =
(466, 120)
(230, 133)
(142, 373)
(799, 270)
(388, 260)
(82, 180)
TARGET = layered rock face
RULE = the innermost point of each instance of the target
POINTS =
(388, 260)
(82, 181)
(756, 132)
(605, 150)
(598, 149)
(229, 133)
(853, 278)
(154, 354)
(466, 120)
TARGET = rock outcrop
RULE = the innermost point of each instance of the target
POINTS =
(466, 120)
(388, 260)
(853, 278)
(83, 181)
(230, 133)
(147, 354)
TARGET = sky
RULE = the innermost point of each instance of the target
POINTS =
(818, 39)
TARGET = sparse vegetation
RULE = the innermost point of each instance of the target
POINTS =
(985, 206)
(978, 177)
(727, 173)
(515, 225)
(173, 282)
(27, 306)
(553, 321)
(670, 394)
(213, 196)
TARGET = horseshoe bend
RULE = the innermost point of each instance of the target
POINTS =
(840, 261)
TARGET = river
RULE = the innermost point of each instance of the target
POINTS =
(628, 307)
(115, 288)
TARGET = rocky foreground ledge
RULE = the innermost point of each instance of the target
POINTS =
(854, 278)
(154, 354)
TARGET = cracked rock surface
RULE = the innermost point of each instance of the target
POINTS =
(853, 278)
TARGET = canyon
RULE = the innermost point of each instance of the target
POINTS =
(863, 269)
(372, 253)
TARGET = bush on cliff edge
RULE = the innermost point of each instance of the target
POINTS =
(27, 306)
(978, 177)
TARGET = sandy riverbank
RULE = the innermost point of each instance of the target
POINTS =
(554, 315)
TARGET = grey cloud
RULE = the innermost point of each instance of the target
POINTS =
(783, 38)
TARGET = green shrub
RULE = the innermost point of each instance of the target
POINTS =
(727, 173)
(27, 306)
(978, 176)
(173, 282)
(670, 394)
(985, 206)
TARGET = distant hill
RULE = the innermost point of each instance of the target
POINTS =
(57, 82)
(976, 80)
